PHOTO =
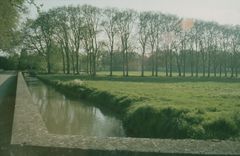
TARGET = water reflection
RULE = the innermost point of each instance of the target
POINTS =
(68, 116)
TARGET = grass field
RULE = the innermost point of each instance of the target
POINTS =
(199, 108)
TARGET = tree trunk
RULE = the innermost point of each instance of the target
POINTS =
(232, 66)
(68, 60)
(73, 63)
(215, 70)
(197, 63)
(111, 60)
(236, 64)
(152, 48)
(143, 54)
(63, 60)
(236, 71)
(48, 65)
(90, 63)
(94, 64)
(123, 56)
(166, 63)
(197, 58)
(171, 62)
(156, 63)
(191, 64)
(225, 66)
(178, 65)
(123, 62)
(184, 63)
(215, 63)
(203, 63)
(77, 62)
(126, 59)
(66, 46)
(220, 70)
(48, 59)
(87, 62)
(209, 64)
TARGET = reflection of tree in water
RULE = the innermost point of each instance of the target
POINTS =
(67, 116)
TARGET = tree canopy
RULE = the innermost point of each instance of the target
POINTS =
(85, 37)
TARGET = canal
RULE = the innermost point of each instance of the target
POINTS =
(64, 115)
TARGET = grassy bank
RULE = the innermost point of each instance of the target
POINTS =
(199, 108)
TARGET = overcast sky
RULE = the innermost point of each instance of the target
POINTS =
(221, 11)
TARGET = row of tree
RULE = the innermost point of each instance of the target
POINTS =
(85, 35)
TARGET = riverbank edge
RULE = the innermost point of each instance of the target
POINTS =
(105, 101)
(147, 116)
(101, 99)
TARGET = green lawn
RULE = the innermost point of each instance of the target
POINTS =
(200, 108)
(206, 95)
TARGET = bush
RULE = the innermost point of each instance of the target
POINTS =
(221, 128)
(169, 122)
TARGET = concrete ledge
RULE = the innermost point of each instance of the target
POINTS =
(30, 135)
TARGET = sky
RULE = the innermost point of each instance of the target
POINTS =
(221, 11)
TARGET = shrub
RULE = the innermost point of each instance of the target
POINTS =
(221, 128)
(169, 122)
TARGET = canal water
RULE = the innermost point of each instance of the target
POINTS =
(64, 115)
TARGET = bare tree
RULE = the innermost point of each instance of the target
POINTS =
(92, 20)
(110, 26)
(125, 25)
(172, 25)
(143, 31)
(62, 35)
(76, 25)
